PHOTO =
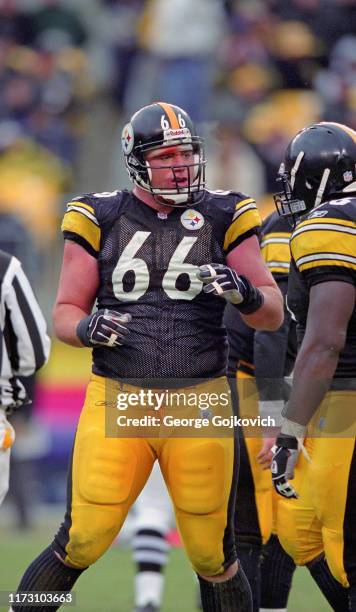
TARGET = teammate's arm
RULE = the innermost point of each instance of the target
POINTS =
(78, 286)
(270, 356)
(330, 308)
(246, 260)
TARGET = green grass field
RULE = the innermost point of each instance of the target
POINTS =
(108, 586)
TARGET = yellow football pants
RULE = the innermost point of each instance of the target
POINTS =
(324, 516)
(254, 491)
(108, 473)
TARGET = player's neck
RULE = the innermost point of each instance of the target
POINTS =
(147, 198)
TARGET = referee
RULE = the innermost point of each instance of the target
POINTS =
(24, 348)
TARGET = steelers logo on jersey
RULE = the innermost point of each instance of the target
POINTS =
(192, 219)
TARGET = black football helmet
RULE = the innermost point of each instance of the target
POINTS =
(163, 125)
(320, 162)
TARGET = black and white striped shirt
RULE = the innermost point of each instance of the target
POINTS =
(24, 343)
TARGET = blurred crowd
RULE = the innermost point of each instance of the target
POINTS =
(250, 72)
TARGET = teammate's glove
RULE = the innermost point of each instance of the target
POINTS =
(222, 281)
(285, 457)
(104, 327)
(286, 452)
(7, 433)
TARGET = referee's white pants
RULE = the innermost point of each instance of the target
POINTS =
(153, 508)
(4, 473)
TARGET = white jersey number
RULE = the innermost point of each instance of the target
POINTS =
(176, 267)
(128, 262)
(341, 202)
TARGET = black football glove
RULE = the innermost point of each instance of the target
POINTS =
(104, 327)
(285, 457)
(222, 281)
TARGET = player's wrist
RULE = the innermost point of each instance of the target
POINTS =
(293, 429)
(272, 410)
(82, 331)
(287, 441)
(253, 298)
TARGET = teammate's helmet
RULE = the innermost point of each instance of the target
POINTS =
(320, 162)
(163, 125)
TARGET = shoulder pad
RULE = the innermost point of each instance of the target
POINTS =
(327, 236)
(236, 196)
(103, 204)
(96, 198)
(235, 213)
(337, 208)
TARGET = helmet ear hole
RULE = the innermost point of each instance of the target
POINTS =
(312, 182)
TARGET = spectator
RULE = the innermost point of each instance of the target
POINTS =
(182, 66)
(55, 26)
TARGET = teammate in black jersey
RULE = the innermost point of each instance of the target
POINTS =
(319, 182)
(161, 261)
(260, 361)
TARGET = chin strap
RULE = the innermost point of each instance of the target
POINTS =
(295, 168)
(324, 180)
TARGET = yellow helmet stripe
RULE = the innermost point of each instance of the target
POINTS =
(173, 119)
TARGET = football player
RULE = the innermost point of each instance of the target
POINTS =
(318, 177)
(265, 358)
(161, 260)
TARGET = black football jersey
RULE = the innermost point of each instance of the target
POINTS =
(274, 241)
(147, 266)
(323, 248)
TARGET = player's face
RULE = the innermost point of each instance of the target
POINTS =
(172, 167)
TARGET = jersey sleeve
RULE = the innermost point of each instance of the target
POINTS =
(324, 249)
(80, 224)
(276, 252)
(245, 222)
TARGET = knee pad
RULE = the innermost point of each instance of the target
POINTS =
(200, 478)
(87, 533)
(84, 550)
(106, 470)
